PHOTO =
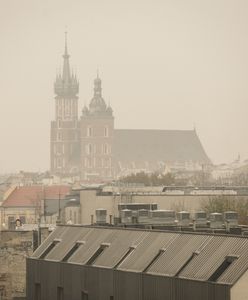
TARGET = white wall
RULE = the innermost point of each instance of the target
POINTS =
(240, 290)
(90, 202)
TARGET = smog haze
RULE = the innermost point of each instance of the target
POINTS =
(164, 65)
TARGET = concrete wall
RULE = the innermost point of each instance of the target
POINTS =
(72, 215)
(15, 246)
(89, 202)
(240, 290)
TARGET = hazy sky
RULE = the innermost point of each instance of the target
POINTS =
(166, 64)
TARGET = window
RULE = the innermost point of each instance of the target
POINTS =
(59, 162)
(222, 268)
(37, 291)
(59, 136)
(22, 219)
(106, 133)
(89, 163)
(97, 254)
(89, 149)
(89, 131)
(160, 252)
(60, 293)
(84, 295)
(48, 249)
(72, 251)
(105, 149)
(129, 251)
(186, 263)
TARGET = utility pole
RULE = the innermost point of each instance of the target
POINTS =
(59, 209)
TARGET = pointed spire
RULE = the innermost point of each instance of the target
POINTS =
(66, 66)
(66, 52)
(97, 85)
(66, 82)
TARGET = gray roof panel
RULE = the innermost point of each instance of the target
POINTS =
(191, 256)
(158, 145)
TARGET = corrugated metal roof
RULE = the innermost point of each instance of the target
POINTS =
(177, 254)
(191, 256)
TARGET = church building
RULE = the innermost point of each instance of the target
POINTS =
(90, 145)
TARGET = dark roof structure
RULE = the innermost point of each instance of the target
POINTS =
(140, 145)
(198, 257)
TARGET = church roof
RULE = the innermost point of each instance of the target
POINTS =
(158, 145)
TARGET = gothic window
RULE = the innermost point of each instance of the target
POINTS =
(106, 163)
(59, 136)
(59, 149)
(89, 163)
(59, 162)
(89, 149)
(105, 149)
(89, 131)
(106, 133)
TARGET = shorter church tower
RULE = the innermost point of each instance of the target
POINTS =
(64, 139)
(97, 129)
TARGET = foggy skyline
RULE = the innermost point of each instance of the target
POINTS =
(164, 65)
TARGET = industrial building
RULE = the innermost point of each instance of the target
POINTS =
(98, 263)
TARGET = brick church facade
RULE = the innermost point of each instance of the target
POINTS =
(92, 147)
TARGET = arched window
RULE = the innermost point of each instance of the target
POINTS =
(106, 132)
(59, 136)
(89, 131)
(89, 163)
(105, 149)
(89, 149)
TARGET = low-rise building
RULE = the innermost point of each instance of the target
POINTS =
(32, 204)
(129, 264)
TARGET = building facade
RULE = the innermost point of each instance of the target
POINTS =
(92, 147)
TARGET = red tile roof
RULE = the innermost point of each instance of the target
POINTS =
(28, 196)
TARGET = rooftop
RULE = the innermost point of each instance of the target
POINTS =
(201, 257)
(28, 196)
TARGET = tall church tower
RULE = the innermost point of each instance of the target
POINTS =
(64, 140)
(97, 128)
